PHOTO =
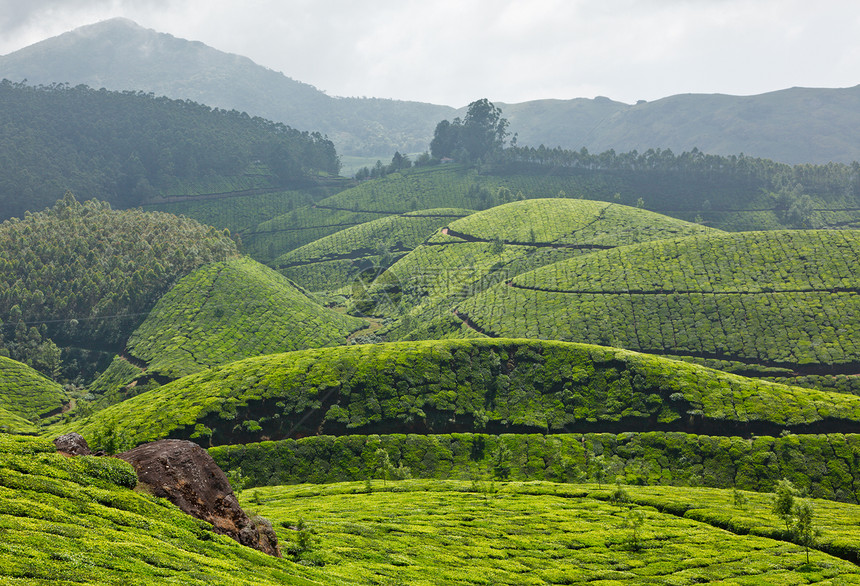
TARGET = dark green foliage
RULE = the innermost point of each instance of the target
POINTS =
(824, 466)
(127, 148)
(481, 134)
(26, 393)
(83, 275)
(228, 311)
(442, 386)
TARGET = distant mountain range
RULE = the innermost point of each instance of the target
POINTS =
(797, 125)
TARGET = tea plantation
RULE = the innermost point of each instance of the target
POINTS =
(489, 247)
(27, 393)
(458, 385)
(783, 298)
(419, 532)
(78, 521)
(336, 261)
(228, 311)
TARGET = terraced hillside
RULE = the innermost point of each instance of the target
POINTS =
(335, 261)
(782, 298)
(27, 393)
(459, 385)
(423, 533)
(78, 521)
(493, 246)
(225, 312)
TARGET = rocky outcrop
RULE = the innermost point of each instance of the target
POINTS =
(184, 473)
(72, 444)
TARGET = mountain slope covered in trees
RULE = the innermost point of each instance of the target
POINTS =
(129, 148)
(81, 276)
(797, 125)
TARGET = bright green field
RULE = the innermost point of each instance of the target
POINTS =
(27, 393)
(228, 311)
(498, 244)
(776, 298)
(432, 532)
(77, 521)
(336, 260)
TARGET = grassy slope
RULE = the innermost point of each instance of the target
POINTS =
(427, 283)
(76, 520)
(421, 532)
(458, 385)
(229, 311)
(784, 298)
(26, 393)
(334, 261)
(422, 188)
(11, 423)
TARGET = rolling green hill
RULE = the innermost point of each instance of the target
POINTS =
(26, 393)
(83, 276)
(78, 521)
(227, 311)
(784, 298)
(731, 193)
(335, 261)
(458, 385)
(492, 246)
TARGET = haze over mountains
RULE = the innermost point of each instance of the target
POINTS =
(797, 125)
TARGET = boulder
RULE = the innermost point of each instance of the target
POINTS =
(72, 444)
(186, 475)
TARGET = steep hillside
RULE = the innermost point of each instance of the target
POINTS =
(458, 385)
(83, 276)
(26, 393)
(784, 298)
(227, 311)
(471, 254)
(78, 521)
(130, 148)
(368, 249)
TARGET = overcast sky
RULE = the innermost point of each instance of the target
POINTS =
(455, 51)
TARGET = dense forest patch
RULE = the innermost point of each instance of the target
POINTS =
(82, 276)
(129, 147)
